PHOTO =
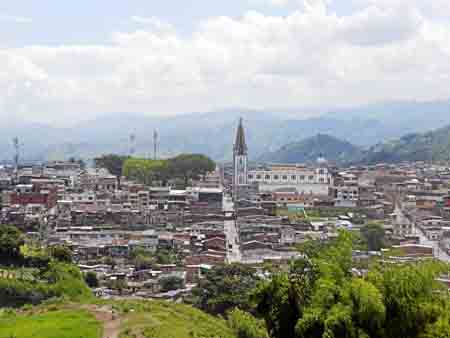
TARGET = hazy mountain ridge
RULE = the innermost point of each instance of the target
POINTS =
(430, 146)
(310, 149)
(213, 133)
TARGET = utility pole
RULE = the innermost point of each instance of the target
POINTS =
(16, 145)
(155, 144)
(132, 144)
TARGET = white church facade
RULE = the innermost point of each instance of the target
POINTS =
(304, 180)
(278, 177)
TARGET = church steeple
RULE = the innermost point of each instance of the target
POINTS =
(240, 147)
(239, 161)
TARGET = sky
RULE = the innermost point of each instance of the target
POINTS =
(66, 61)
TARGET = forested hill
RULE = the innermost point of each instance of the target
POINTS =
(430, 146)
(311, 148)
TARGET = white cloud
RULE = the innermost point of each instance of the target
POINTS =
(311, 57)
(15, 19)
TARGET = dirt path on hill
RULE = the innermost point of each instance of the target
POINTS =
(111, 322)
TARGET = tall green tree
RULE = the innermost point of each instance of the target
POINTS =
(61, 253)
(11, 239)
(374, 235)
(113, 163)
(226, 287)
(190, 166)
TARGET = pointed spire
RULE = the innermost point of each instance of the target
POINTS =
(240, 147)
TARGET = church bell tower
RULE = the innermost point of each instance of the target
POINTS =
(240, 158)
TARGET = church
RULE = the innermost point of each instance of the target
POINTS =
(276, 177)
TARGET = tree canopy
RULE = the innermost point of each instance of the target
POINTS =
(190, 166)
(146, 171)
(319, 298)
(113, 163)
(373, 234)
(226, 287)
(11, 239)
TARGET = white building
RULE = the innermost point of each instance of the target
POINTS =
(315, 181)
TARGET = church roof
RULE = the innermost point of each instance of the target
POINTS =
(240, 147)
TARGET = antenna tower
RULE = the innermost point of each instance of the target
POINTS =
(16, 145)
(132, 144)
(155, 144)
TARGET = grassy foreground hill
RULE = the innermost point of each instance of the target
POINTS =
(115, 319)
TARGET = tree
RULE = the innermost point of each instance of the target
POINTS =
(61, 253)
(171, 283)
(374, 235)
(91, 279)
(190, 166)
(164, 256)
(11, 239)
(245, 325)
(226, 287)
(113, 163)
(319, 297)
(143, 262)
(414, 300)
(146, 171)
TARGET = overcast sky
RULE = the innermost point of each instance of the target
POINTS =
(63, 61)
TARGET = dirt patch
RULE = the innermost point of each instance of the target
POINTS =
(111, 320)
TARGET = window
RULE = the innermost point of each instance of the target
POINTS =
(250, 177)
(258, 177)
(276, 177)
(285, 177)
(311, 177)
(302, 177)
(293, 177)
(321, 171)
(321, 180)
(267, 177)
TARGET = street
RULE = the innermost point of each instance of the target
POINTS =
(231, 232)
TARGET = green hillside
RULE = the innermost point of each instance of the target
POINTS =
(430, 146)
(52, 324)
(310, 149)
(145, 319)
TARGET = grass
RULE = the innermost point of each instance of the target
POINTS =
(54, 324)
(139, 319)
(167, 320)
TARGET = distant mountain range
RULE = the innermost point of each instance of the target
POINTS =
(213, 133)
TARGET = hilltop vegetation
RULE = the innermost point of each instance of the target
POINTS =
(430, 146)
(310, 149)
(184, 167)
